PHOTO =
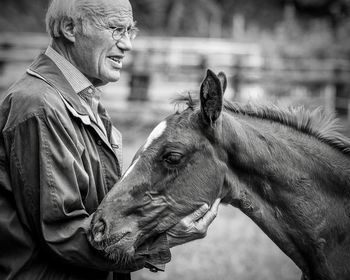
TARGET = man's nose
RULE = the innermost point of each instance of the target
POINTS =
(124, 43)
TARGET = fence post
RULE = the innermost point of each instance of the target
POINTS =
(341, 97)
(237, 77)
(140, 77)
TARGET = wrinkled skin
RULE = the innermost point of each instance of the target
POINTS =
(92, 49)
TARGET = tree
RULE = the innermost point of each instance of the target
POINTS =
(177, 17)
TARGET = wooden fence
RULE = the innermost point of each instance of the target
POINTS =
(247, 65)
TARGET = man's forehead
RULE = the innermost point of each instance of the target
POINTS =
(117, 5)
(120, 10)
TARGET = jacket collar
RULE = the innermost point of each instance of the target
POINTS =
(46, 68)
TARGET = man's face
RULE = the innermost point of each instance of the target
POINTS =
(96, 54)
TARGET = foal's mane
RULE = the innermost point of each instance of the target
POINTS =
(324, 126)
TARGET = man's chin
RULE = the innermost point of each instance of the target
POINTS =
(113, 76)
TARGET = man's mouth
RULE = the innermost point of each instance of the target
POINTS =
(117, 61)
(115, 58)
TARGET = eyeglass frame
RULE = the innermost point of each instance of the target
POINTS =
(131, 31)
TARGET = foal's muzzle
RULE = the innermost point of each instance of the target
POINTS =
(98, 229)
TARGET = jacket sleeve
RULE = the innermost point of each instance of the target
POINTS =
(46, 175)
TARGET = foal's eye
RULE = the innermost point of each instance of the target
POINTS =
(172, 158)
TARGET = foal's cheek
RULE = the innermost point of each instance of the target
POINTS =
(161, 178)
(212, 184)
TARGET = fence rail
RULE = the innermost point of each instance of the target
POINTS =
(188, 54)
(185, 59)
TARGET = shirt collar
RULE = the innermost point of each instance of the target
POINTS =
(90, 94)
(74, 77)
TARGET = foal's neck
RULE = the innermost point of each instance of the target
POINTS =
(285, 183)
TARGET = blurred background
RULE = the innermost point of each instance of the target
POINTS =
(289, 52)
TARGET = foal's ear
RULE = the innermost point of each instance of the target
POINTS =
(211, 95)
(223, 81)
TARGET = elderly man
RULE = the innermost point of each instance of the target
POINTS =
(60, 153)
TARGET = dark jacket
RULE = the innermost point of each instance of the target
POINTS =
(56, 166)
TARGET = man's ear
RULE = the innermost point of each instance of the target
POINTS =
(211, 96)
(68, 29)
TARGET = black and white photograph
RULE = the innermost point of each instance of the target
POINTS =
(173, 139)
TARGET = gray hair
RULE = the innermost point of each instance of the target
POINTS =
(76, 10)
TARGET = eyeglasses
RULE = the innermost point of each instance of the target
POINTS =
(119, 32)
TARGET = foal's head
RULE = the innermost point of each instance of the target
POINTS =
(178, 169)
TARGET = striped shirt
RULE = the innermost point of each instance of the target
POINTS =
(89, 95)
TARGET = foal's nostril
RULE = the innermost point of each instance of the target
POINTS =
(99, 230)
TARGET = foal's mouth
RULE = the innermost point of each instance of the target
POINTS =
(113, 246)
(122, 248)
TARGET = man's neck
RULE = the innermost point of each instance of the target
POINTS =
(60, 47)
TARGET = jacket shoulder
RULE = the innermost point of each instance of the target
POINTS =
(27, 97)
